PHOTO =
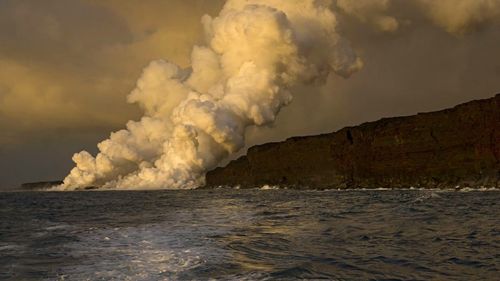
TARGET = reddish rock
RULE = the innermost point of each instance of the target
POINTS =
(453, 147)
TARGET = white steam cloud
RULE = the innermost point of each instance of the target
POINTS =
(256, 51)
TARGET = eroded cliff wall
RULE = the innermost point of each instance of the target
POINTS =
(453, 147)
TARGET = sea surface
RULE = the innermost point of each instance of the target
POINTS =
(250, 235)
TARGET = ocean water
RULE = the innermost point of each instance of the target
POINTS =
(250, 235)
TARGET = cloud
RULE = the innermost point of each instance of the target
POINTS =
(461, 16)
(71, 64)
(373, 12)
(66, 68)
(457, 17)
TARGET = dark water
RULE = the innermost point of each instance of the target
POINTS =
(250, 235)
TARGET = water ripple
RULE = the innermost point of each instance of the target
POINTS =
(250, 235)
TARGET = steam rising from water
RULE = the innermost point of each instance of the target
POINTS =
(193, 118)
(256, 51)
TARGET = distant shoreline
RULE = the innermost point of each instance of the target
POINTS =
(462, 189)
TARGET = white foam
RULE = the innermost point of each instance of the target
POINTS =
(135, 253)
(11, 247)
(269, 187)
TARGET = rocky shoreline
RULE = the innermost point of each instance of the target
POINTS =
(41, 185)
(448, 149)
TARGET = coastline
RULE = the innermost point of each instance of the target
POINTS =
(459, 146)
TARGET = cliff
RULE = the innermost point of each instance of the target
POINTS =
(39, 185)
(444, 149)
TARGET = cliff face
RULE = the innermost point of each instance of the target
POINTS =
(39, 185)
(458, 146)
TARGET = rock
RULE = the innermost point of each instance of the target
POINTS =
(457, 147)
(40, 185)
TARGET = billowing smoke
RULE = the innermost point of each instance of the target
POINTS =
(256, 51)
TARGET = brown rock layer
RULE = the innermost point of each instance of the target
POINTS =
(40, 185)
(453, 147)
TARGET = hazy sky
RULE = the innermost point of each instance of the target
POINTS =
(66, 67)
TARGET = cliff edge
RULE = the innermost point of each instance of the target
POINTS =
(443, 149)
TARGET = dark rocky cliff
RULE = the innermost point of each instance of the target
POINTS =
(39, 185)
(453, 147)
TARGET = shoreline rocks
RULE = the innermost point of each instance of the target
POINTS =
(39, 185)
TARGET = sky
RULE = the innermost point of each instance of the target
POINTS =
(66, 68)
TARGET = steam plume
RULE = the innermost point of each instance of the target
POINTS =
(256, 51)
